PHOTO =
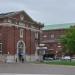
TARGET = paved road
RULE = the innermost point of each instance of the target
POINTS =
(30, 68)
(26, 74)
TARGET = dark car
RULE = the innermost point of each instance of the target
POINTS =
(48, 56)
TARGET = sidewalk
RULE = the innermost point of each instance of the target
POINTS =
(27, 74)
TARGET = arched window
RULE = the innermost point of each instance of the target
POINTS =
(20, 47)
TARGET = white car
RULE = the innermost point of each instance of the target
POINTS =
(66, 58)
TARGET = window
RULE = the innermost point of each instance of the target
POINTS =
(52, 35)
(9, 20)
(14, 22)
(0, 48)
(32, 27)
(21, 33)
(21, 23)
(36, 35)
(45, 36)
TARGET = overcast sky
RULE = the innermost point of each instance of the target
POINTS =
(45, 11)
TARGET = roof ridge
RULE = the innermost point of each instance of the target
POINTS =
(12, 12)
(58, 26)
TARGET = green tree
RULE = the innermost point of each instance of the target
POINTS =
(68, 41)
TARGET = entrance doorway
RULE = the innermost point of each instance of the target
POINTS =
(21, 51)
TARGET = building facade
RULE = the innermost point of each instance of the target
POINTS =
(19, 33)
(51, 35)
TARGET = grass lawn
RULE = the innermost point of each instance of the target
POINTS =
(61, 62)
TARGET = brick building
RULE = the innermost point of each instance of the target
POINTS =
(19, 33)
(51, 34)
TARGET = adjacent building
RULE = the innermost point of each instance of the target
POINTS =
(51, 35)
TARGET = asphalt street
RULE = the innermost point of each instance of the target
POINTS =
(31, 68)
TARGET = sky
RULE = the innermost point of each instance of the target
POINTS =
(44, 11)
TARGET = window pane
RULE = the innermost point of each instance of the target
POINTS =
(21, 33)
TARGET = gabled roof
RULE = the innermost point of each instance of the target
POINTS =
(10, 14)
(2, 15)
(58, 26)
(28, 18)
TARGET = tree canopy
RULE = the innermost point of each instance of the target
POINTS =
(68, 41)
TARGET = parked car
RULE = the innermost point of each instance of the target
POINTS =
(66, 58)
(48, 57)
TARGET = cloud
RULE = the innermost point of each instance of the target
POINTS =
(47, 11)
(10, 6)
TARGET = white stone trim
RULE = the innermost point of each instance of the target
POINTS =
(16, 25)
(24, 52)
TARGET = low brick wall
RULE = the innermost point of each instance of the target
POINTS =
(7, 58)
(2, 58)
(12, 58)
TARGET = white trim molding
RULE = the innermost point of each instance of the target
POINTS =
(22, 26)
(24, 49)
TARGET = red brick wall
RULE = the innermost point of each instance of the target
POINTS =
(11, 35)
(28, 45)
(32, 42)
